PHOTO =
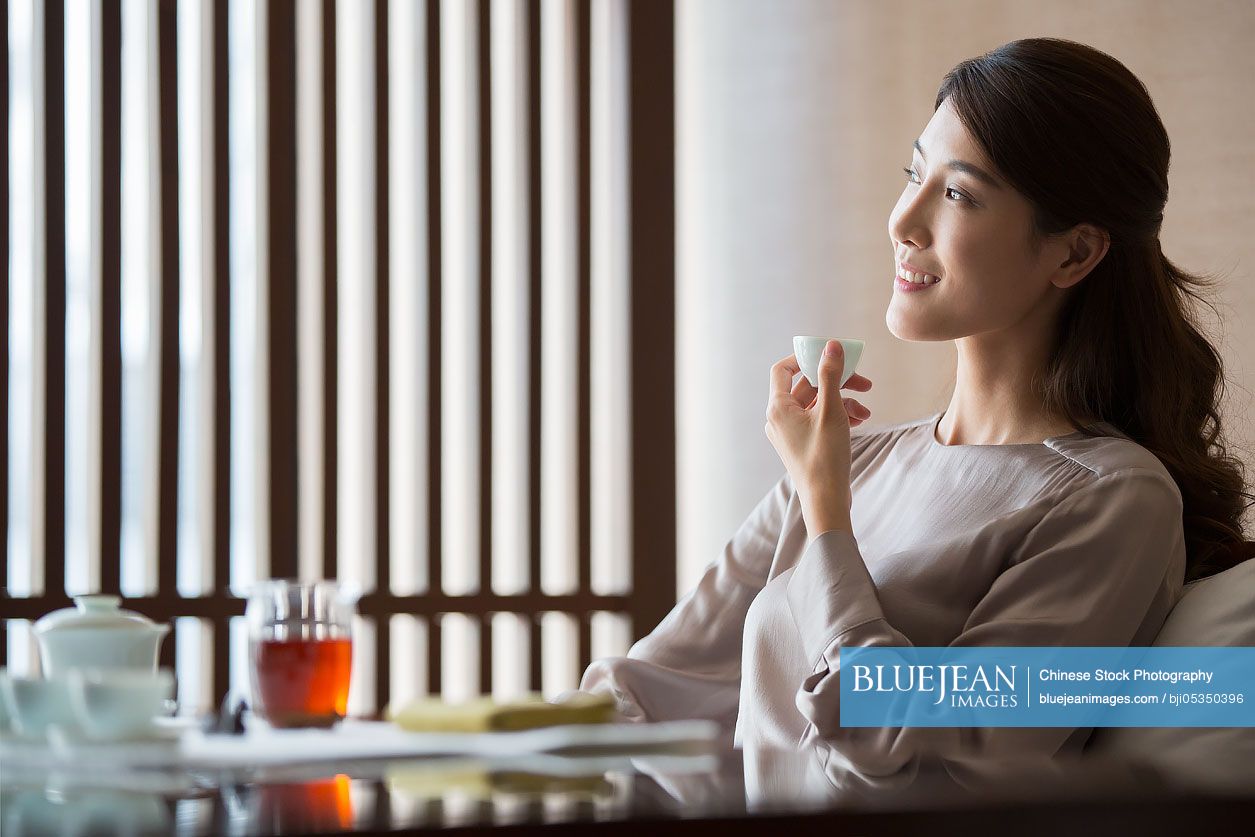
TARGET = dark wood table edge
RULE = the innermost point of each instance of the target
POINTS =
(1168, 816)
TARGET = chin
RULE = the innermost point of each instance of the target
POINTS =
(909, 328)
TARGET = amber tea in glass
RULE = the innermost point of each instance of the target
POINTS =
(301, 650)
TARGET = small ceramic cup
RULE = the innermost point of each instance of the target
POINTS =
(114, 704)
(808, 351)
(36, 704)
(6, 716)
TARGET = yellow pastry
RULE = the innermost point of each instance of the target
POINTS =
(485, 714)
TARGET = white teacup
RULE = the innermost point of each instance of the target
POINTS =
(116, 703)
(808, 351)
(6, 716)
(35, 704)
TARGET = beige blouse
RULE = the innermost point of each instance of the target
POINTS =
(1073, 541)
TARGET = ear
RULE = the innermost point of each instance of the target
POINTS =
(1087, 245)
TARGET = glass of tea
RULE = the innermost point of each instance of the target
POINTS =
(301, 649)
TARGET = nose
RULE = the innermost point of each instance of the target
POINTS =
(909, 221)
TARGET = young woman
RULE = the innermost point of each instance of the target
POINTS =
(1075, 481)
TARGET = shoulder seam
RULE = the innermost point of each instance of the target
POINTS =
(1071, 458)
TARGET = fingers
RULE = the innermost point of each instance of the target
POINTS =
(830, 366)
(858, 383)
(782, 372)
(803, 392)
(855, 410)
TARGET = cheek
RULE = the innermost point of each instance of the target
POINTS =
(993, 276)
(963, 256)
(971, 251)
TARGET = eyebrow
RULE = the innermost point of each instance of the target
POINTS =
(959, 165)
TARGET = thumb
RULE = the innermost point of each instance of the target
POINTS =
(831, 365)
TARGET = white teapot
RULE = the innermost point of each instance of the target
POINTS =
(97, 634)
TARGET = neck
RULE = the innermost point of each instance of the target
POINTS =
(995, 401)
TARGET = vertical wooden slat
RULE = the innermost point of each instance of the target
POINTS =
(534, 326)
(54, 324)
(484, 75)
(651, 146)
(434, 279)
(221, 244)
(330, 274)
(111, 297)
(168, 151)
(168, 465)
(435, 682)
(4, 317)
(383, 580)
(583, 98)
(281, 327)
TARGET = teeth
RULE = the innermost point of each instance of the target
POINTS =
(918, 278)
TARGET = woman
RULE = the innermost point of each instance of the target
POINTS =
(1075, 480)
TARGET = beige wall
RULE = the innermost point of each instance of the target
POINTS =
(795, 118)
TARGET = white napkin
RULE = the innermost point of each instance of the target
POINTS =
(264, 745)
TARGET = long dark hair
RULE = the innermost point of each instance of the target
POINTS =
(1075, 132)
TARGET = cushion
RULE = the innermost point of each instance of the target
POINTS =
(1215, 611)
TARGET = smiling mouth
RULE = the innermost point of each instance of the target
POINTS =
(916, 278)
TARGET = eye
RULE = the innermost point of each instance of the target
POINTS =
(913, 177)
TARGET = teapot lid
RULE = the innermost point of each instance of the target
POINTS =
(95, 611)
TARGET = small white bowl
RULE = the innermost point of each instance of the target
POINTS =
(114, 704)
(6, 717)
(36, 704)
(808, 351)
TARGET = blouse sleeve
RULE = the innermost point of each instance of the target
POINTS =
(1088, 574)
(689, 666)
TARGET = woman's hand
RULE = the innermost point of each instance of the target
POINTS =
(810, 430)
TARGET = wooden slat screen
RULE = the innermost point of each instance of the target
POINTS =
(411, 617)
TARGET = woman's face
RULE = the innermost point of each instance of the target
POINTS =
(970, 230)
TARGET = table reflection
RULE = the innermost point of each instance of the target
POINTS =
(324, 804)
(548, 788)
